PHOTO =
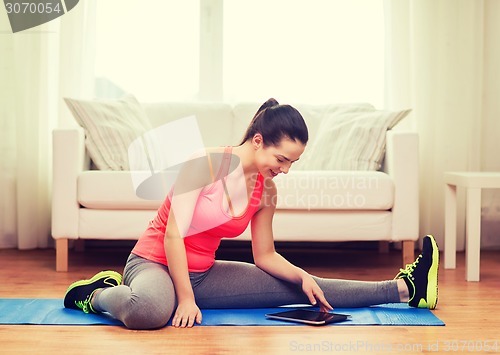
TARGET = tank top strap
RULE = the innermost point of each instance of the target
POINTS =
(224, 170)
(226, 162)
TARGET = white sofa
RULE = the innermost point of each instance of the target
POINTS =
(313, 205)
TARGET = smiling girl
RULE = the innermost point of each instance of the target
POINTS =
(172, 272)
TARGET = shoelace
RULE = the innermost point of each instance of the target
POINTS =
(84, 305)
(410, 267)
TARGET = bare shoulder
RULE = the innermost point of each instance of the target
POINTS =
(214, 150)
(194, 173)
(214, 156)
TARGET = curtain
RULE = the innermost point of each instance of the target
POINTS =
(434, 51)
(434, 64)
(37, 67)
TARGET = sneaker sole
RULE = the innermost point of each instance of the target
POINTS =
(103, 274)
(432, 276)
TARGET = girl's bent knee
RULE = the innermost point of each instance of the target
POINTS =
(144, 320)
(147, 313)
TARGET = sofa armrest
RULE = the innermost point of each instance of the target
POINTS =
(402, 164)
(69, 160)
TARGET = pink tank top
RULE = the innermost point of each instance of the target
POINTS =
(204, 236)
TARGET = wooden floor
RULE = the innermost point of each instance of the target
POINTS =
(470, 311)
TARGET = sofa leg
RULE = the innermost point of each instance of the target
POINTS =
(408, 252)
(62, 255)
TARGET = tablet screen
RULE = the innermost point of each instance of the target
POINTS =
(308, 316)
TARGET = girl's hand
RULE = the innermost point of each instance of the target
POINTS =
(314, 293)
(186, 314)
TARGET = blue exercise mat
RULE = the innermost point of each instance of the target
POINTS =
(52, 312)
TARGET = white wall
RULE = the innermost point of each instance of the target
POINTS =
(490, 149)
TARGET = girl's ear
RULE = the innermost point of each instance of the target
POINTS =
(257, 140)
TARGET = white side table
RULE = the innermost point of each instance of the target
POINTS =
(473, 182)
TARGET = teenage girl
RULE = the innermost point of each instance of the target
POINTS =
(172, 273)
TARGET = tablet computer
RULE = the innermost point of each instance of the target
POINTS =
(308, 316)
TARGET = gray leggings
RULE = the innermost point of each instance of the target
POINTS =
(147, 300)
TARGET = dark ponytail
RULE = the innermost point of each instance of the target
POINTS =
(275, 122)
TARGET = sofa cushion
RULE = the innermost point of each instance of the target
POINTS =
(324, 226)
(298, 190)
(112, 190)
(113, 224)
(110, 127)
(335, 190)
(351, 140)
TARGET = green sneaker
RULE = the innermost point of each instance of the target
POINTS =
(80, 293)
(421, 277)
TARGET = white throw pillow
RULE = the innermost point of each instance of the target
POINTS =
(110, 127)
(351, 140)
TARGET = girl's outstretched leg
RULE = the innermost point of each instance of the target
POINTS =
(230, 284)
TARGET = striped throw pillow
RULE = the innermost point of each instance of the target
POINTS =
(351, 140)
(110, 127)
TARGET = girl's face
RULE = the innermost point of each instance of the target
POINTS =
(273, 160)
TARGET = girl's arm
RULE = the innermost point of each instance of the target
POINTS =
(187, 311)
(266, 257)
(189, 183)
